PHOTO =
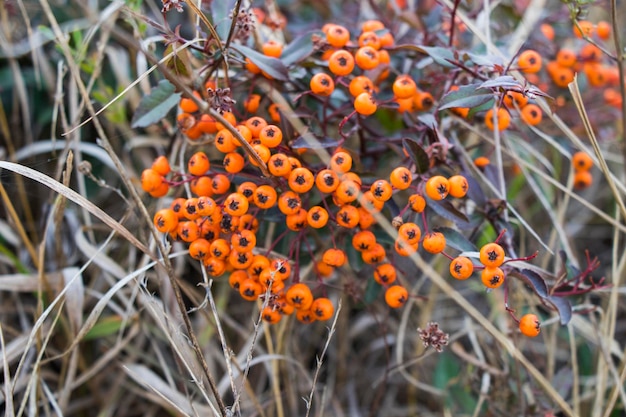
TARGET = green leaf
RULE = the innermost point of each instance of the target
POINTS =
(105, 327)
(446, 210)
(471, 95)
(442, 56)
(156, 105)
(456, 240)
(220, 11)
(270, 65)
(534, 280)
(506, 82)
(418, 155)
(299, 48)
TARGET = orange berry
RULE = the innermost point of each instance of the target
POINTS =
(236, 278)
(279, 165)
(366, 58)
(271, 315)
(233, 162)
(250, 289)
(251, 103)
(187, 231)
(188, 105)
(561, 76)
(396, 296)
(334, 257)
(369, 38)
(220, 184)
(547, 31)
(365, 104)
(504, 119)
(434, 242)
(423, 100)
(300, 296)
(161, 165)
(492, 255)
(410, 232)
(263, 153)
(401, 178)
(229, 117)
(337, 36)
(566, 58)
(582, 179)
(417, 202)
(584, 28)
(265, 196)
(531, 114)
(348, 216)
(317, 217)
(289, 203)
(482, 161)
(458, 186)
(166, 220)
(236, 204)
(347, 191)
(220, 248)
(437, 187)
(381, 190)
(327, 180)
(240, 260)
(529, 325)
(225, 141)
(199, 249)
(272, 48)
(271, 136)
(340, 162)
(151, 180)
(375, 255)
(247, 189)
(603, 29)
(385, 274)
(255, 124)
(322, 308)
(322, 84)
(341, 62)
(529, 61)
(214, 267)
(301, 180)
(404, 86)
(515, 97)
(360, 84)
(492, 277)
(372, 25)
(461, 267)
(198, 164)
(243, 241)
(363, 240)
(582, 161)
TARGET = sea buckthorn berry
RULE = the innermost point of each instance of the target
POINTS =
(322, 308)
(220, 184)
(251, 103)
(410, 232)
(365, 104)
(374, 255)
(225, 142)
(461, 267)
(236, 278)
(582, 179)
(396, 296)
(199, 249)
(512, 98)
(250, 289)
(327, 181)
(214, 267)
(279, 165)
(360, 84)
(161, 165)
(317, 217)
(337, 36)
(271, 136)
(347, 191)
(289, 203)
(417, 203)
(434, 242)
(584, 28)
(348, 216)
(492, 255)
(220, 248)
(529, 61)
(381, 190)
(205, 206)
(187, 231)
(301, 180)
(531, 114)
(603, 29)
(401, 178)
(188, 105)
(385, 274)
(504, 119)
(341, 62)
(272, 48)
(271, 315)
(529, 325)
(492, 277)
(437, 187)
(265, 196)
(581, 161)
(458, 186)
(404, 86)
(300, 296)
(240, 260)
(366, 58)
(247, 189)
(341, 162)
(322, 84)
(363, 240)
(236, 204)
(198, 164)
(166, 220)
(334, 257)
(566, 57)
(233, 162)
(151, 180)
(243, 241)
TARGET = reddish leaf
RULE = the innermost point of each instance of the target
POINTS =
(417, 154)
(534, 280)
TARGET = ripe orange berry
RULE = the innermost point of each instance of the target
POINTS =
(401, 178)
(214, 267)
(504, 119)
(547, 31)
(385, 274)
(582, 161)
(529, 325)
(404, 86)
(437, 187)
(531, 114)
(327, 181)
(566, 57)
(403, 248)
(198, 164)
(225, 142)
(300, 296)
(251, 103)
(305, 316)
(240, 260)
(366, 58)
(396, 296)
(337, 36)
(243, 241)
(417, 202)
(252, 67)
(161, 165)
(272, 48)
(289, 203)
(363, 240)
(236, 278)
(263, 153)
(561, 76)
(265, 196)
(271, 136)
(220, 184)
(250, 289)
(360, 84)
(317, 217)
(322, 84)
(201, 186)
(255, 124)
(236, 204)
(492, 255)
(347, 191)
(529, 61)
(365, 104)
(271, 315)
(233, 162)
(322, 308)
(348, 216)
(301, 180)
(515, 97)
(482, 161)
(369, 38)
(187, 231)
(410, 232)
(340, 162)
(190, 209)
(334, 257)
(199, 249)
(461, 267)
(279, 165)
(247, 189)
(603, 29)
(188, 105)
(458, 186)
(434, 242)
(584, 28)
(341, 62)
(166, 220)
(492, 277)
(582, 179)
(381, 190)
(151, 180)
(423, 100)
(372, 25)
(374, 255)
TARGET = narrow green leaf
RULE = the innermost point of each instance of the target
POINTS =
(466, 96)
(155, 106)
(299, 48)
(456, 240)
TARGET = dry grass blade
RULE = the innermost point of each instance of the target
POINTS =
(9, 409)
